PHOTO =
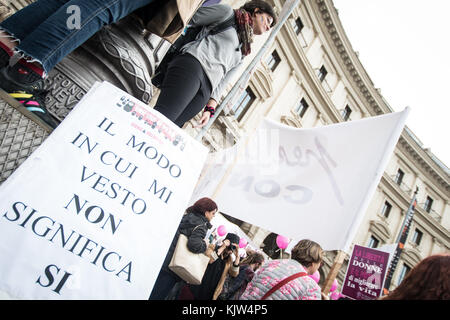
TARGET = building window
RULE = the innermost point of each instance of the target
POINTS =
(428, 204)
(244, 102)
(301, 108)
(399, 177)
(386, 209)
(417, 236)
(297, 24)
(373, 242)
(273, 61)
(346, 113)
(403, 273)
(322, 73)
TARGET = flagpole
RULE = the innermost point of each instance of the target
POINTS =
(332, 274)
(285, 13)
(401, 239)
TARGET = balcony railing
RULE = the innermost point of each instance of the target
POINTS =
(402, 185)
(432, 213)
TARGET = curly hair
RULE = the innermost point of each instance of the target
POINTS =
(307, 252)
(428, 280)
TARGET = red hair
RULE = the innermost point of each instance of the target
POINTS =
(429, 280)
(202, 205)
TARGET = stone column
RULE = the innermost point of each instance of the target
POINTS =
(121, 53)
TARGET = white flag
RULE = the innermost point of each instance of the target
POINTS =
(304, 183)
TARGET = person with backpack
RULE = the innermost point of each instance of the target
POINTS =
(34, 39)
(196, 77)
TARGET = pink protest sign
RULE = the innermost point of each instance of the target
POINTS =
(365, 273)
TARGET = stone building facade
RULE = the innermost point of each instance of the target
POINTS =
(309, 77)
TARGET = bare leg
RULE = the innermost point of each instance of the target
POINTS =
(8, 40)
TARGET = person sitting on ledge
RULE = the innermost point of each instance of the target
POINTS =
(44, 32)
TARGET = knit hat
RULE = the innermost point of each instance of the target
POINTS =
(234, 238)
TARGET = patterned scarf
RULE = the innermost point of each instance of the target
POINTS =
(245, 30)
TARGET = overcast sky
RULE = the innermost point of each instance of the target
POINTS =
(404, 45)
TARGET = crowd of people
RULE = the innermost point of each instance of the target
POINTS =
(257, 277)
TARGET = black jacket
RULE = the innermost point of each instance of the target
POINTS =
(196, 243)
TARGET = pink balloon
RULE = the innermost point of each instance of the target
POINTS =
(221, 230)
(282, 242)
(242, 243)
(335, 295)
(315, 276)
(334, 285)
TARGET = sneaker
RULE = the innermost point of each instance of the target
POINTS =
(5, 55)
(20, 77)
(4, 58)
(34, 102)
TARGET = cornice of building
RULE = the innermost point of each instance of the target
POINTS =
(421, 217)
(337, 41)
(429, 167)
(297, 59)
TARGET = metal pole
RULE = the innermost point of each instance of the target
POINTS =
(401, 239)
(285, 13)
(334, 271)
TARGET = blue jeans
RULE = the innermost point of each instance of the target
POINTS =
(48, 29)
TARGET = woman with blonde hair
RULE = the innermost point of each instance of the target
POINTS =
(287, 279)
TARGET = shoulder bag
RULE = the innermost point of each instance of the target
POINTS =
(187, 265)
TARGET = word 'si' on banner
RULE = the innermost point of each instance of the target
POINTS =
(92, 212)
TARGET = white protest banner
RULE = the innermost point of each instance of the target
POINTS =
(92, 212)
(304, 183)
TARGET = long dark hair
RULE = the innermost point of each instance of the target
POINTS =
(429, 280)
(201, 206)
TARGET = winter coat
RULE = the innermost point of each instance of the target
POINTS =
(234, 287)
(201, 291)
(196, 237)
(272, 272)
(167, 18)
(229, 270)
